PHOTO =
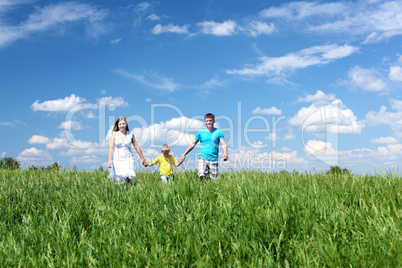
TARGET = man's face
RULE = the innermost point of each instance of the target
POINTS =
(209, 122)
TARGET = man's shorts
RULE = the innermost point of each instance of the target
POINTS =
(206, 168)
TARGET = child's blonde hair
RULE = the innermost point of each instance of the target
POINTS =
(165, 148)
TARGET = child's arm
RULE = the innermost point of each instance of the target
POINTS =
(150, 165)
(176, 163)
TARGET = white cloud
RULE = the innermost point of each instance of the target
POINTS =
(38, 139)
(117, 101)
(152, 80)
(316, 55)
(375, 37)
(380, 19)
(245, 158)
(3, 154)
(86, 159)
(14, 124)
(367, 79)
(400, 59)
(214, 82)
(170, 28)
(391, 151)
(326, 153)
(314, 146)
(58, 105)
(322, 151)
(71, 125)
(258, 144)
(384, 140)
(383, 117)
(148, 100)
(395, 73)
(74, 151)
(150, 154)
(58, 143)
(76, 147)
(90, 115)
(256, 28)
(71, 102)
(225, 28)
(184, 123)
(143, 6)
(290, 135)
(173, 132)
(115, 41)
(7, 5)
(272, 136)
(396, 104)
(153, 17)
(270, 111)
(334, 118)
(52, 17)
(33, 156)
(302, 10)
(318, 97)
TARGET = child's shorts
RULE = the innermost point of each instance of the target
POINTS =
(206, 167)
(167, 178)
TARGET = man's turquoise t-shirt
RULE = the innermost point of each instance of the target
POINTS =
(209, 143)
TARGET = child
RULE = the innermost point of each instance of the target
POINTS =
(166, 162)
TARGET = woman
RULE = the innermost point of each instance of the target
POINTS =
(122, 166)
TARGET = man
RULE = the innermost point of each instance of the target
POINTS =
(209, 138)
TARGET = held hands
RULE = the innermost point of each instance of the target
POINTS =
(109, 164)
(182, 159)
(225, 157)
(144, 163)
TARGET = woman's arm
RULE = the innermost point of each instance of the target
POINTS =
(111, 149)
(138, 149)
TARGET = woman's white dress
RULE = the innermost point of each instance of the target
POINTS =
(123, 161)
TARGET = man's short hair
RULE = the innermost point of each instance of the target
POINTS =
(165, 148)
(209, 115)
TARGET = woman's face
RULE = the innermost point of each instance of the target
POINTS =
(122, 125)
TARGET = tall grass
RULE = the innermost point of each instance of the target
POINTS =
(245, 218)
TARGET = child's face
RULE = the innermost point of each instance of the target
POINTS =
(166, 153)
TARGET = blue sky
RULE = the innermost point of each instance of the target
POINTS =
(294, 85)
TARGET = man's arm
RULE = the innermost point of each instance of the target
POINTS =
(189, 148)
(225, 149)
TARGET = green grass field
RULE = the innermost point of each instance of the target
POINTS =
(244, 219)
